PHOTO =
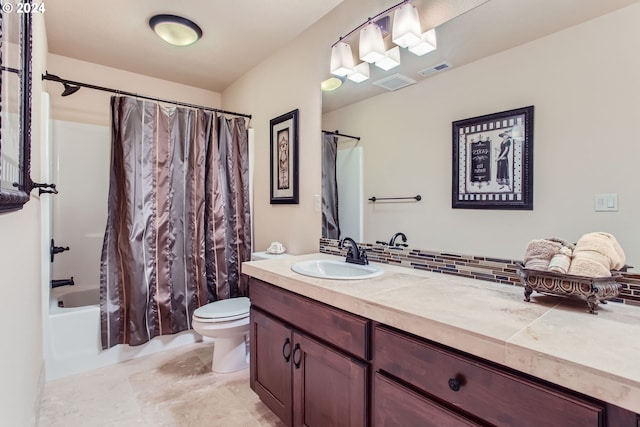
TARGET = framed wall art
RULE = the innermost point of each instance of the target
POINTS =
(284, 158)
(493, 161)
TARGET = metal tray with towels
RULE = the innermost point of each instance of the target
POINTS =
(593, 290)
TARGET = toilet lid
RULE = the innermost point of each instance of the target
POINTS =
(223, 309)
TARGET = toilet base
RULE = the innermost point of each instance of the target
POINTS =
(230, 354)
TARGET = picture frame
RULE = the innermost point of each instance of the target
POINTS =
(284, 158)
(493, 161)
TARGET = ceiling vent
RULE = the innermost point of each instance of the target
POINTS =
(394, 82)
(435, 69)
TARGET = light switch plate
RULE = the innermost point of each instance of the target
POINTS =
(317, 203)
(606, 202)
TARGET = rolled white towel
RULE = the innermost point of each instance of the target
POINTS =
(561, 261)
(539, 252)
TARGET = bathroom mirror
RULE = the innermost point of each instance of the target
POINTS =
(406, 135)
(350, 152)
(15, 108)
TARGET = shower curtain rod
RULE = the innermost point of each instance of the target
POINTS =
(66, 82)
(336, 133)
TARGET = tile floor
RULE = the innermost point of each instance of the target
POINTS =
(172, 388)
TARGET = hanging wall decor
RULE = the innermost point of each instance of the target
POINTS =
(284, 159)
(493, 161)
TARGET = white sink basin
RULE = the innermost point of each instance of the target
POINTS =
(340, 270)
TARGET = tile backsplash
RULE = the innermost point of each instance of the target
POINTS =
(477, 267)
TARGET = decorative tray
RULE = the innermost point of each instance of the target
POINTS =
(593, 290)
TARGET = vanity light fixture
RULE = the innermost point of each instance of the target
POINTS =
(406, 33)
(371, 45)
(428, 43)
(341, 59)
(390, 60)
(360, 73)
(406, 26)
(175, 30)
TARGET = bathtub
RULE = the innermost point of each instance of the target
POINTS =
(72, 335)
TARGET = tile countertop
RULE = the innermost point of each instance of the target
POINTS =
(550, 337)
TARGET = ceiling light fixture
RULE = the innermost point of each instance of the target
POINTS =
(175, 30)
(332, 83)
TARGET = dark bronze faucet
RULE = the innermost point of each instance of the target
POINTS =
(393, 243)
(355, 255)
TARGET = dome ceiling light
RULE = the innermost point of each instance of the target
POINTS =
(175, 30)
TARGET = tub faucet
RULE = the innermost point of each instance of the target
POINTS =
(355, 255)
(62, 282)
(392, 242)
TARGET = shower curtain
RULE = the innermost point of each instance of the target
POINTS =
(330, 224)
(178, 224)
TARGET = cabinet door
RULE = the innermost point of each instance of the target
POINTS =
(271, 351)
(397, 406)
(329, 388)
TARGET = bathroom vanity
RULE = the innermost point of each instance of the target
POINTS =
(425, 349)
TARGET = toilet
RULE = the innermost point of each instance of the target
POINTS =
(227, 322)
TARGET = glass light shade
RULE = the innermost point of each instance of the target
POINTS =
(391, 59)
(332, 83)
(426, 45)
(361, 73)
(341, 59)
(371, 45)
(406, 26)
(175, 30)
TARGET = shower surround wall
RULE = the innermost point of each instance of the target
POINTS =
(81, 173)
(80, 168)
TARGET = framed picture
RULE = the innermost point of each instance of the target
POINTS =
(493, 161)
(284, 158)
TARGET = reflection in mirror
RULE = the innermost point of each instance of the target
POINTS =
(342, 187)
(15, 107)
(343, 168)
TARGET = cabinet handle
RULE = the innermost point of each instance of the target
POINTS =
(286, 347)
(455, 383)
(296, 351)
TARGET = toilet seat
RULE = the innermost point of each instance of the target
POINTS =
(223, 310)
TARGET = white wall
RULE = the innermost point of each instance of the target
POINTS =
(287, 80)
(268, 91)
(585, 88)
(22, 360)
(92, 106)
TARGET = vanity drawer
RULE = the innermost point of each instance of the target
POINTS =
(395, 405)
(346, 331)
(487, 392)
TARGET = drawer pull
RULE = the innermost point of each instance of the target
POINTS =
(286, 350)
(455, 383)
(296, 351)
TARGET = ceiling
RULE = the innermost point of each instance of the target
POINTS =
(239, 34)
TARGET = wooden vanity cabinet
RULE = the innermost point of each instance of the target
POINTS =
(308, 360)
(469, 388)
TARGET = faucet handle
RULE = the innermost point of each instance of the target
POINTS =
(363, 256)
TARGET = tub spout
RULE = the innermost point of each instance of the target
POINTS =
(62, 282)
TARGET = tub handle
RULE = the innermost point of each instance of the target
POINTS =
(53, 249)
